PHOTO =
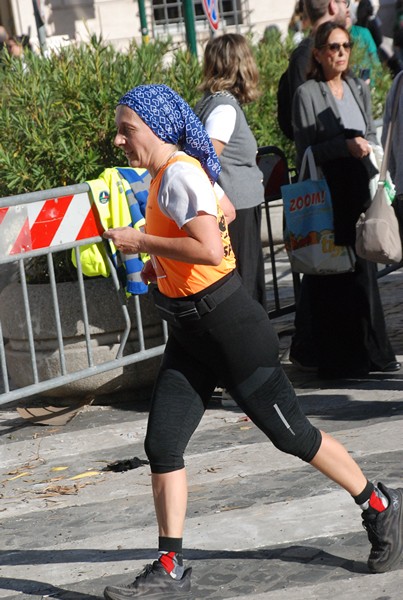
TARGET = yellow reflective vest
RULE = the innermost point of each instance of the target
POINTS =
(120, 195)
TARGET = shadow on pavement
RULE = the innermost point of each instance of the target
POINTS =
(38, 588)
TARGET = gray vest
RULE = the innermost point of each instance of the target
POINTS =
(240, 178)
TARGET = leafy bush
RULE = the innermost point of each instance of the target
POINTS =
(57, 114)
(272, 60)
(380, 78)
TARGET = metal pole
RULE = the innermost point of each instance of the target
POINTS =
(236, 15)
(40, 25)
(190, 26)
(143, 22)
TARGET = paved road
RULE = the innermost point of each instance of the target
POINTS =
(261, 524)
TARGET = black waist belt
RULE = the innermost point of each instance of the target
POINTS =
(178, 310)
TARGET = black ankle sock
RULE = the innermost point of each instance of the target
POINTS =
(371, 499)
(170, 556)
(169, 544)
(365, 495)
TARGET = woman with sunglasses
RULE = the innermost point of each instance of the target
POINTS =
(332, 114)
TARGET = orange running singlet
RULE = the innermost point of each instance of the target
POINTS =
(175, 278)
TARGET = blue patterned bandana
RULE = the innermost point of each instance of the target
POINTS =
(174, 122)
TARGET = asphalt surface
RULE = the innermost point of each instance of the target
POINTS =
(260, 524)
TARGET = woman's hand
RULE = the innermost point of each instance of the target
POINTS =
(126, 239)
(228, 209)
(358, 147)
(148, 274)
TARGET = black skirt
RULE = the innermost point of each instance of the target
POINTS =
(348, 324)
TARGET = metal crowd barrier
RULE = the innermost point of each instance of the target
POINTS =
(274, 166)
(43, 223)
(25, 221)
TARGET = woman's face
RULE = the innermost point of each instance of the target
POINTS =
(14, 48)
(135, 138)
(335, 55)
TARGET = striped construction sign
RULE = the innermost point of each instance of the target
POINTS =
(47, 223)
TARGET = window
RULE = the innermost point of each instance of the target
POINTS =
(166, 12)
(170, 12)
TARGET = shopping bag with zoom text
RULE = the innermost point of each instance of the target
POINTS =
(309, 235)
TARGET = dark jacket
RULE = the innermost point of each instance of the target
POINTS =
(298, 66)
(317, 123)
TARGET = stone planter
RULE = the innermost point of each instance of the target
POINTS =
(106, 325)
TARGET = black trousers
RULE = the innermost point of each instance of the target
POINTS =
(237, 345)
(247, 245)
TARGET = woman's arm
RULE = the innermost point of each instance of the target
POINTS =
(203, 244)
(226, 205)
(220, 125)
(218, 146)
(228, 209)
(186, 196)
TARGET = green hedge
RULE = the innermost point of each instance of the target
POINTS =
(57, 114)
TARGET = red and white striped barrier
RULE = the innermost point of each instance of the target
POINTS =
(47, 223)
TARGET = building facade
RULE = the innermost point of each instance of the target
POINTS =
(118, 21)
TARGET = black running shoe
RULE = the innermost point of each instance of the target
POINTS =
(385, 532)
(153, 583)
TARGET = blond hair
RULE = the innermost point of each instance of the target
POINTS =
(229, 65)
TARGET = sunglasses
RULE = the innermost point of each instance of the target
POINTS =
(335, 46)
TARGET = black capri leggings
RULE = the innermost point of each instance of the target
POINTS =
(234, 345)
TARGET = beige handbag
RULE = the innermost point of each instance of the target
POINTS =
(377, 230)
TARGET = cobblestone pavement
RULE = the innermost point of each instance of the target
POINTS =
(260, 525)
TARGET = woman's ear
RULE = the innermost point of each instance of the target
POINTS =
(316, 55)
(333, 8)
